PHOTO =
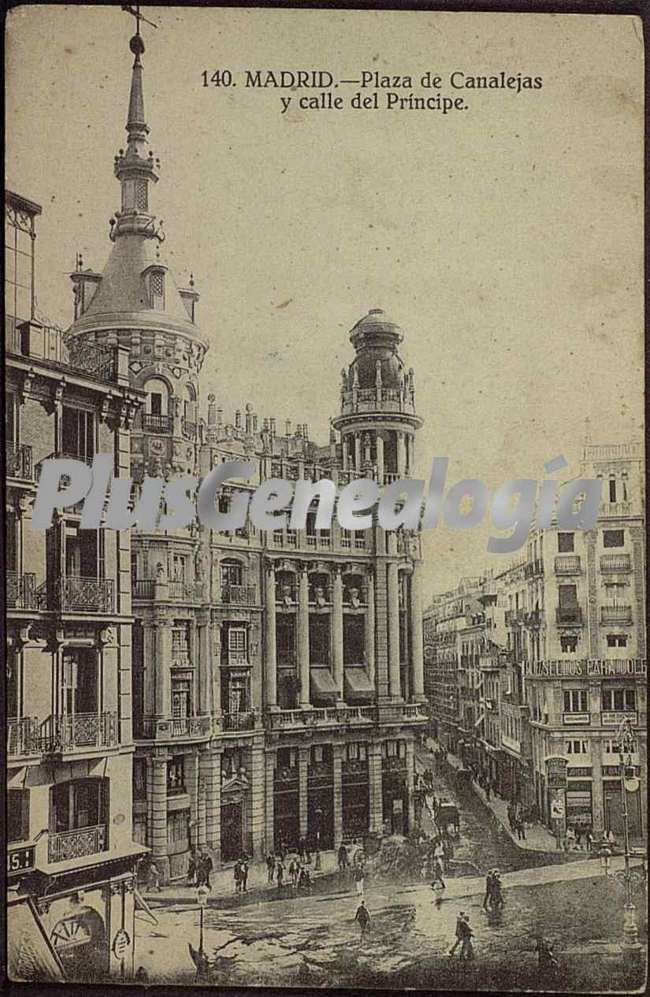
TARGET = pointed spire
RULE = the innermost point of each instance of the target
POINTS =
(136, 125)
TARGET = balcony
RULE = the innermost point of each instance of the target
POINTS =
(569, 615)
(238, 595)
(79, 732)
(23, 737)
(157, 423)
(19, 462)
(21, 591)
(238, 721)
(143, 588)
(180, 591)
(174, 728)
(610, 563)
(85, 595)
(567, 564)
(76, 844)
(617, 615)
(615, 509)
(327, 717)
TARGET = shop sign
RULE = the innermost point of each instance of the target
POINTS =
(587, 667)
(556, 772)
(557, 808)
(21, 860)
(611, 719)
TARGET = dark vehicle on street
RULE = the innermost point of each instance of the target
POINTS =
(448, 817)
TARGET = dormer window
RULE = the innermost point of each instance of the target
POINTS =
(157, 289)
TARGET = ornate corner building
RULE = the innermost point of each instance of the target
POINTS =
(277, 677)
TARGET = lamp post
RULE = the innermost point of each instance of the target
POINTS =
(201, 899)
(625, 746)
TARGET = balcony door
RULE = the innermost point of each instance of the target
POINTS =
(78, 433)
(80, 693)
(83, 553)
(78, 804)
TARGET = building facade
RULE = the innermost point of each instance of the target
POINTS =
(71, 856)
(561, 659)
(277, 675)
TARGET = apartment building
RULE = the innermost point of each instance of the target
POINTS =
(71, 857)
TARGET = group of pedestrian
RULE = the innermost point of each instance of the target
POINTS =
(464, 935)
(294, 864)
(199, 868)
(240, 875)
(493, 898)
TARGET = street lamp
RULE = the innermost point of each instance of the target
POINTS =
(625, 746)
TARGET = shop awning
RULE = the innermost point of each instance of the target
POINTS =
(30, 955)
(322, 684)
(357, 685)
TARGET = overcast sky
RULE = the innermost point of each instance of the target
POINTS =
(506, 239)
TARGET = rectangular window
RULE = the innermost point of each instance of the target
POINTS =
(612, 489)
(618, 699)
(78, 433)
(565, 543)
(568, 643)
(613, 538)
(616, 640)
(17, 815)
(568, 596)
(575, 701)
(576, 746)
(176, 775)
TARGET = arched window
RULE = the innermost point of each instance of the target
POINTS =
(157, 402)
(189, 404)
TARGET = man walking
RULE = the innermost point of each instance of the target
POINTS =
(270, 867)
(236, 875)
(279, 873)
(489, 880)
(362, 917)
(466, 949)
(437, 874)
(459, 933)
(204, 869)
(358, 879)
(342, 857)
(244, 875)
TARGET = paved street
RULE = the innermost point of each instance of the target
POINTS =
(314, 940)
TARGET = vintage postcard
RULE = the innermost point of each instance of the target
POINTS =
(325, 498)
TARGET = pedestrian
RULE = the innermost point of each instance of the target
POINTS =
(154, 878)
(279, 873)
(270, 867)
(343, 858)
(570, 839)
(294, 871)
(237, 876)
(511, 816)
(488, 789)
(437, 875)
(459, 933)
(578, 833)
(362, 917)
(497, 900)
(192, 868)
(304, 880)
(488, 888)
(244, 874)
(590, 840)
(204, 869)
(466, 949)
(359, 878)
(520, 827)
(611, 838)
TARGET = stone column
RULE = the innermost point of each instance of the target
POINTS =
(357, 452)
(149, 667)
(205, 667)
(370, 626)
(303, 635)
(410, 777)
(401, 455)
(303, 788)
(380, 458)
(337, 753)
(596, 745)
(211, 775)
(270, 652)
(394, 688)
(337, 630)
(417, 652)
(258, 792)
(159, 815)
(269, 809)
(376, 802)
(162, 664)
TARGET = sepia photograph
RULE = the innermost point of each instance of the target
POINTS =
(325, 538)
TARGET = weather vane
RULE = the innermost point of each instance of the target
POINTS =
(135, 12)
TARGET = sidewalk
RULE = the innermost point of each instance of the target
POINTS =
(538, 838)
(223, 883)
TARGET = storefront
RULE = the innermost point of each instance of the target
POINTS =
(613, 807)
(286, 806)
(355, 791)
(395, 793)
(320, 798)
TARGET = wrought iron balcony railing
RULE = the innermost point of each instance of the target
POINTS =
(157, 423)
(65, 845)
(239, 721)
(610, 563)
(567, 564)
(241, 595)
(79, 731)
(23, 737)
(569, 615)
(85, 595)
(143, 588)
(616, 614)
(19, 461)
(21, 591)
(171, 728)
